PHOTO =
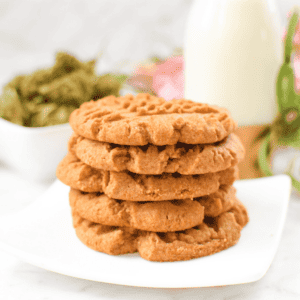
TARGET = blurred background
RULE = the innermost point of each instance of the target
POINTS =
(121, 35)
(125, 32)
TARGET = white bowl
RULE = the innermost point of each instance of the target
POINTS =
(33, 152)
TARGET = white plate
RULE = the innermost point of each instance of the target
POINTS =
(42, 235)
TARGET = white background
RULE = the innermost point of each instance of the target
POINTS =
(124, 31)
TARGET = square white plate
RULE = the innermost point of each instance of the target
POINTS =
(43, 235)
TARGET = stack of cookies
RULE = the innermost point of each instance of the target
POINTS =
(155, 177)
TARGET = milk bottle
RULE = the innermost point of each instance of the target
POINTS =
(233, 51)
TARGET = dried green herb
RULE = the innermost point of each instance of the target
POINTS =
(108, 84)
(11, 108)
(48, 96)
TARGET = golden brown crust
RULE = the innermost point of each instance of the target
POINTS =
(134, 187)
(72, 172)
(208, 238)
(221, 201)
(161, 216)
(108, 239)
(192, 243)
(146, 119)
(240, 213)
(181, 158)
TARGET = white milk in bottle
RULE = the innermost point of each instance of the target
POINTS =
(233, 51)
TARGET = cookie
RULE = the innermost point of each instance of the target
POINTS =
(211, 236)
(72, 172)
(108, 239)
(202, 240)
(134, 187)
(159, 216)
(150, 159)
(240, 212)
(145, 119)
(218, 202)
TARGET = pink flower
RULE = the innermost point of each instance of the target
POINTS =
(142, 79)
(164, 78)
(296, 63)
(296, 58)
(168, 78)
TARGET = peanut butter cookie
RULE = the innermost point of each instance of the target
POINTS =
(135, 187)
(211, 236)
(161, 216)
(145, 119)
(150, 159)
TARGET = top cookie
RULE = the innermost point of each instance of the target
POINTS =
(145, 119)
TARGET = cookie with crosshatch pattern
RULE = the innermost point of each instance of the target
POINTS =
(145, 119)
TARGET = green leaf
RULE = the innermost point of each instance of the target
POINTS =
(285, 90)
(262, 134)
(295, 182)
(263, 156)
(290, 36)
